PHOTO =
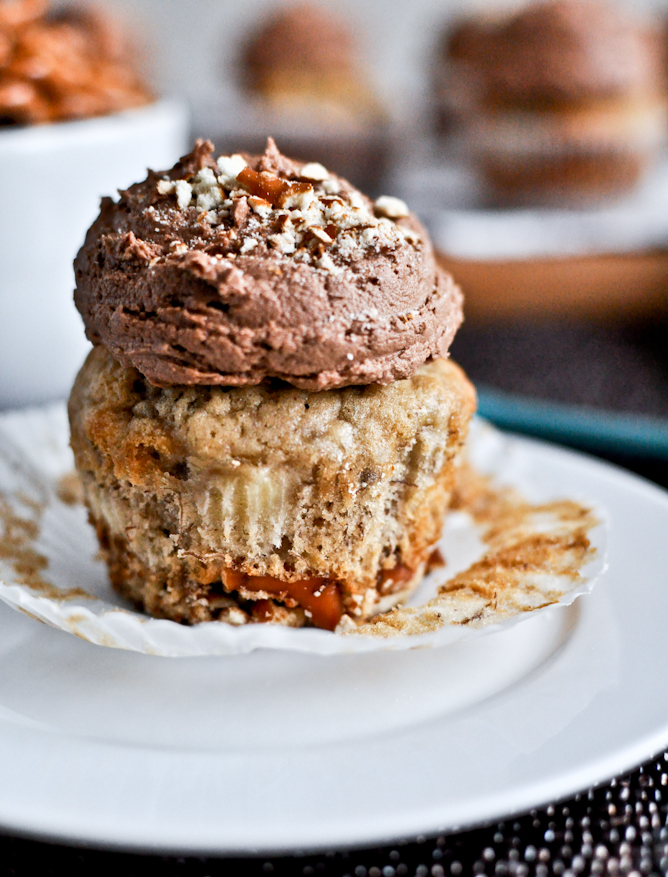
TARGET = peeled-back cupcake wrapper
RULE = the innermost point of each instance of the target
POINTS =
(49, 567)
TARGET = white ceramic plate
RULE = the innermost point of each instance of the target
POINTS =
(279, 751)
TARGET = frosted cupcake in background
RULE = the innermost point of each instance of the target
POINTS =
(564, 102)
(455, 76)
(303, 60)
(303, 78)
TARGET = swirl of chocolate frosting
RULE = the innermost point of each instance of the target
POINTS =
(228, 272)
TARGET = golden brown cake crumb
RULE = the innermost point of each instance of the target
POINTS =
(267, 502)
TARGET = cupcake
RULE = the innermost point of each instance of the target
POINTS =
(566, 100)
(267, 428)
(302, 60)
(57, 66)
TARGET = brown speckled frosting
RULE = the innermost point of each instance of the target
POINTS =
(565, 50)
(220, 273)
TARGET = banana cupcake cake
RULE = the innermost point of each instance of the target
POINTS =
(268, 427)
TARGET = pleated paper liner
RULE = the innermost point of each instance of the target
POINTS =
(512, 547)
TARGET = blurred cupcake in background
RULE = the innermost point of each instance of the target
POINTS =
(304, 60)
(563, 102)
(455, 72)
(301, 77)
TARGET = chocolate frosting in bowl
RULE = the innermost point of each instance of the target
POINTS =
(232, 271)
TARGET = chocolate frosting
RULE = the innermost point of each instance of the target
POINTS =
(565, 50)
(197, 277)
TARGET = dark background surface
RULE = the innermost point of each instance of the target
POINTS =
(618, 828)
(619, 367)
(616, 367)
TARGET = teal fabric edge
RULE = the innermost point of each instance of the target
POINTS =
(590, 428)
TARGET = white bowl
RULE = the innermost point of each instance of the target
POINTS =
(51, 181)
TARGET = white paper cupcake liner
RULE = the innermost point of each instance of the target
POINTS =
(49, 567)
